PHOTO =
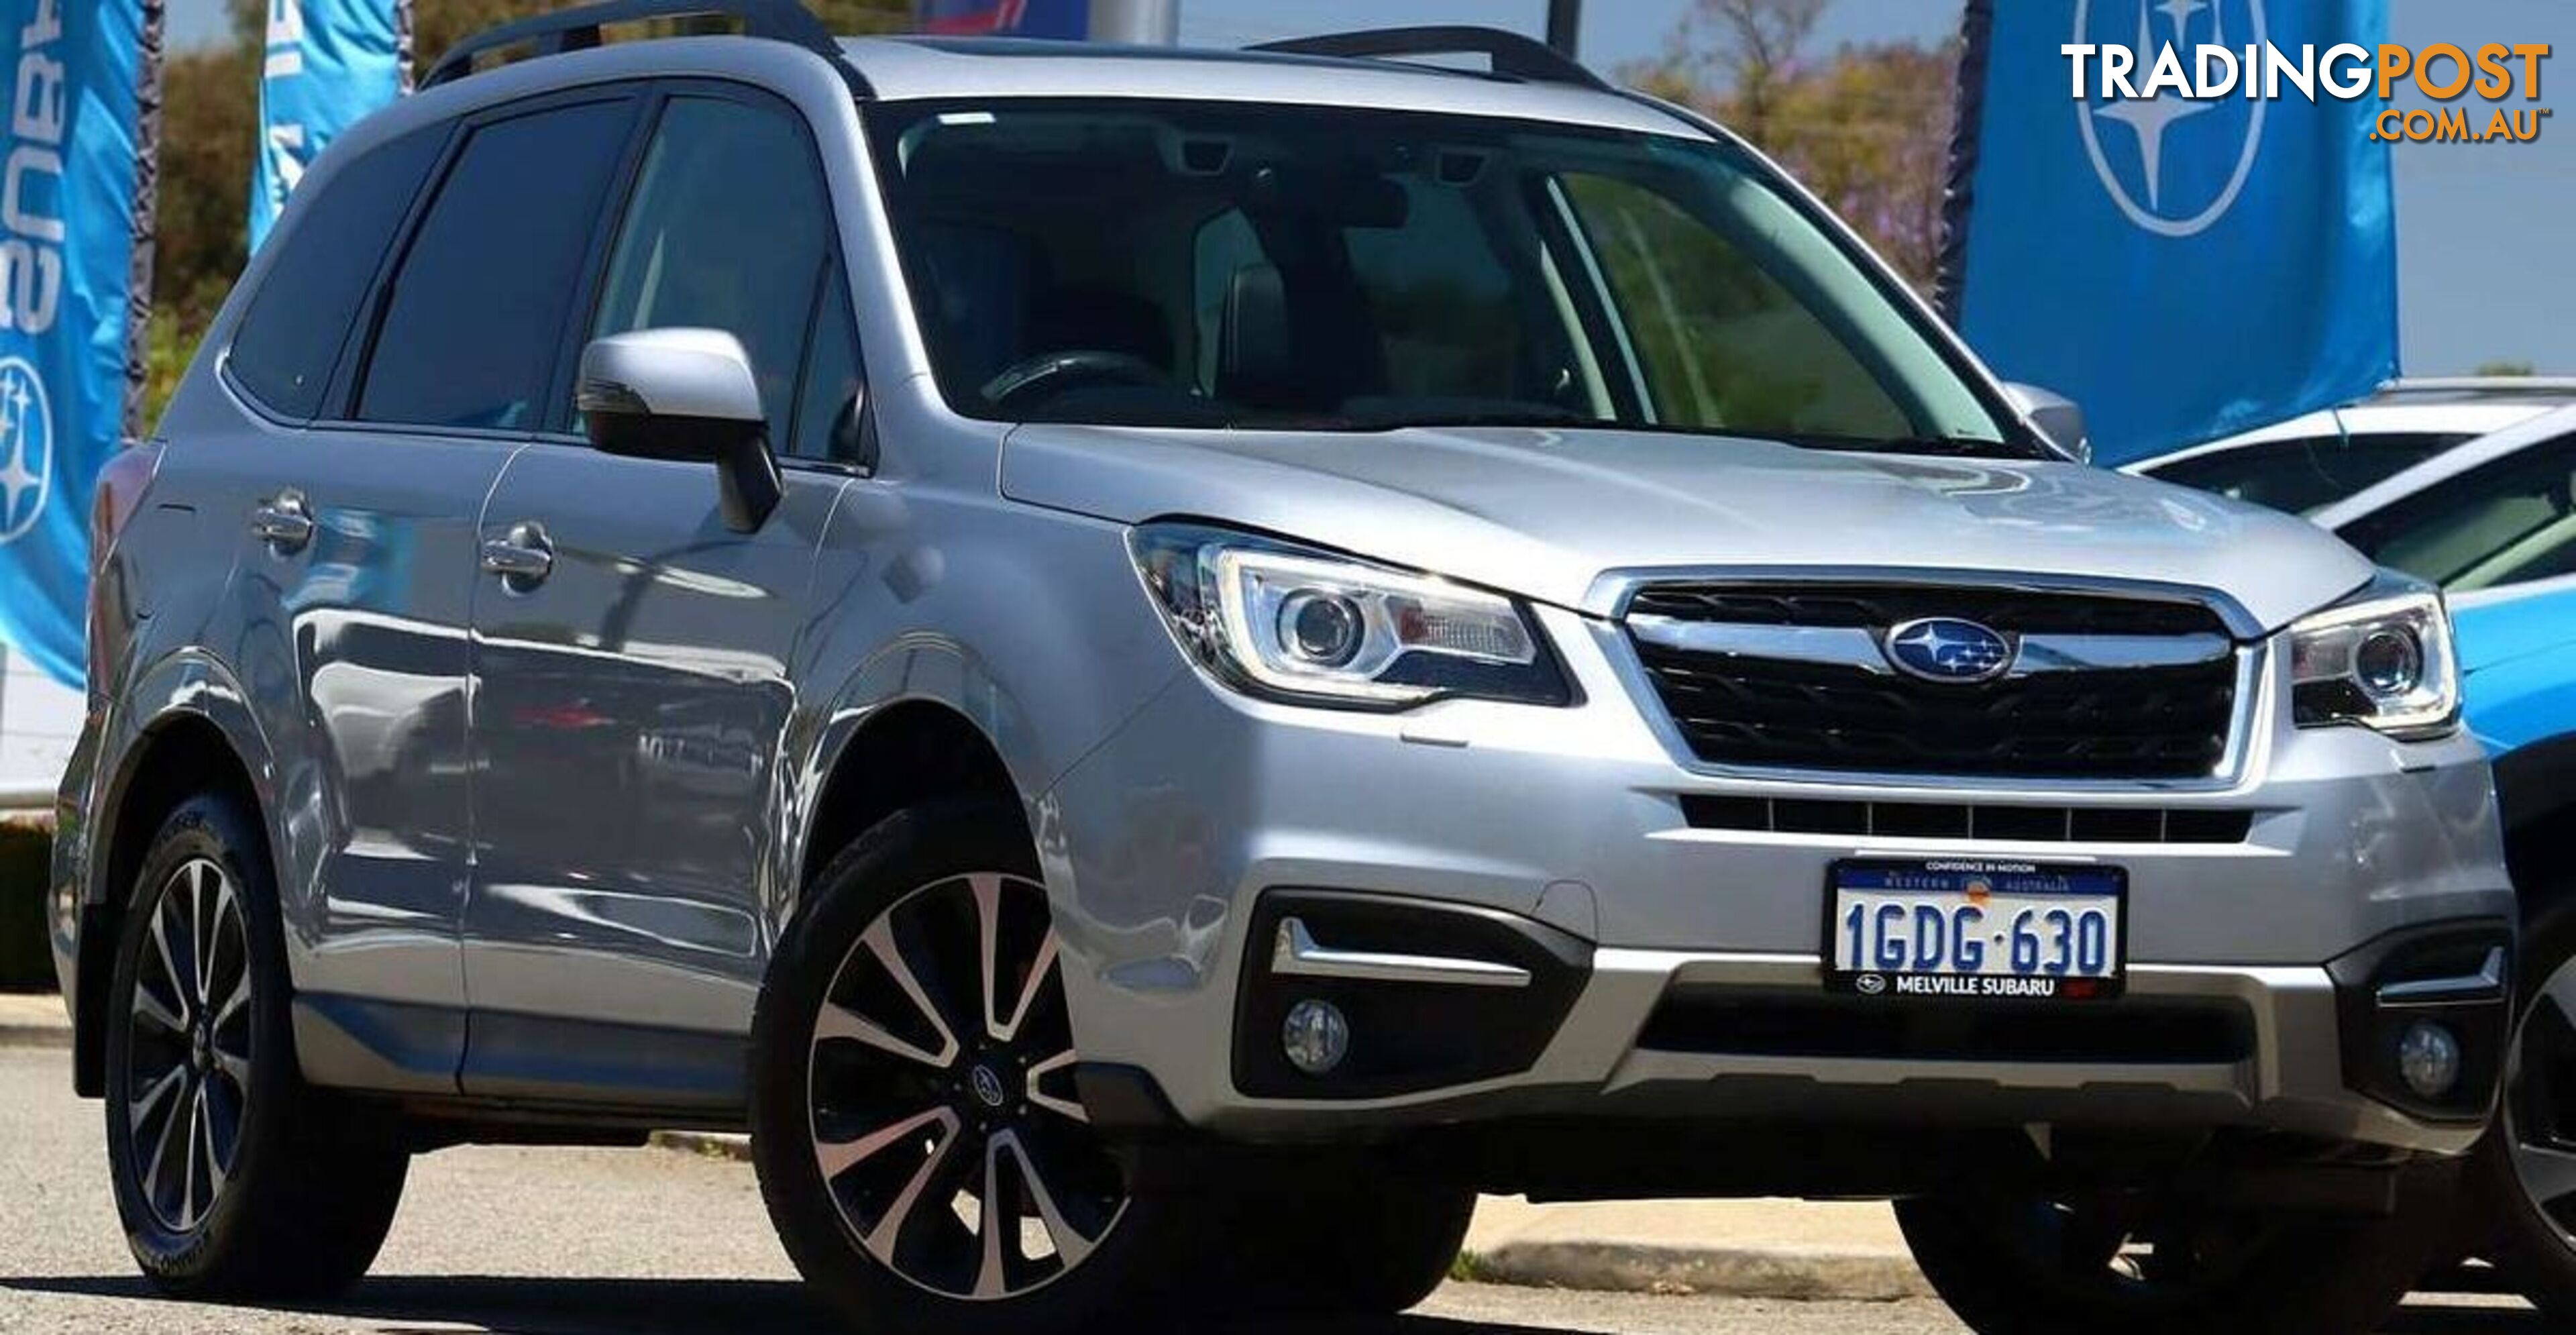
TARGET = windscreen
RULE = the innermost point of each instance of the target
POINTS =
(1215, 265)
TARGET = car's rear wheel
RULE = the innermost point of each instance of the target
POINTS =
(2524, 1173)
(2138, 1263)
(920, 1145)
(233, 1178)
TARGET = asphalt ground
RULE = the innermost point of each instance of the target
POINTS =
(650, 1242)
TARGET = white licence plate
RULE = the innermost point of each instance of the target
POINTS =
(1976, 927)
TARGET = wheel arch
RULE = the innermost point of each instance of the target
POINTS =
(184, 750)
(902, 753)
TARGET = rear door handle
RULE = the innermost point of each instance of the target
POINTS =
(522, 557)
(284, 522)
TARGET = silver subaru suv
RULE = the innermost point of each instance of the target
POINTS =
(1155, 667)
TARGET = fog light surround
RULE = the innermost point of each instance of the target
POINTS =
(2428, 1059)
(1316, 1037)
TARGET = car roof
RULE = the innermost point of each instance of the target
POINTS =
(2460, 406)
(2537, 430)
(893, 69)
(2369, 419)
(948, 68)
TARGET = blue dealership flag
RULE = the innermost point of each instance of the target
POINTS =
(2185, 269)
(329, 63)
(75, 256)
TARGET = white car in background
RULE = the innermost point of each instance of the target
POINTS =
(2314, 461)
(2497, 512)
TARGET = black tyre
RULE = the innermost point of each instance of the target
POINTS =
(1360, 1241)
(2126, 1264)
(913, 1068)
(233, 1179)
(2523, 1177)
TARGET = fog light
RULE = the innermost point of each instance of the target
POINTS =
(1316, 1037)
(2428, 1059)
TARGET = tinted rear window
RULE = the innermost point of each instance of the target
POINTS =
(290, 337)
(478, 309)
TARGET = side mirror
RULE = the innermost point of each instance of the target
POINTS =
(2059, 418)
(686, 395)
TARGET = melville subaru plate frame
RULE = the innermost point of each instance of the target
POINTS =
(2090, 882)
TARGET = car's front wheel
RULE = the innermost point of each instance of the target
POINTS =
(2140, 1263)
(234, 1179)
(920, 1145)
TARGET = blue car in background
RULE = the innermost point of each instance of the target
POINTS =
(2517, 646)
(2492, 519)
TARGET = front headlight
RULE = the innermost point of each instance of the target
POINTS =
(2383, 660)
(1293, 623)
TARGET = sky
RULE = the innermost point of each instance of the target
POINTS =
(2485, 269)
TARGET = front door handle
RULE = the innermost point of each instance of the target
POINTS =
(284, 522)
(522, 557)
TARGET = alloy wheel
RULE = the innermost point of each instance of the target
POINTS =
(189, 1067)
(2540, 1102)
(940, 1095)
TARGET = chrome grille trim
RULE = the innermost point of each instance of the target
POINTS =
(1855, 647)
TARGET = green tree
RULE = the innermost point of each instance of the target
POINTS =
(1867, 128)
(1750, 48)
(2506, 370)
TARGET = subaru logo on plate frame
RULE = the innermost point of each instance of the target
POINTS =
(1949, 649)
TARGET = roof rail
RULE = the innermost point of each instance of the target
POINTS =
(1514, 55)
(2501, 386)
(578, 29)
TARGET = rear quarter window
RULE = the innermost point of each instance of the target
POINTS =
(291, 335)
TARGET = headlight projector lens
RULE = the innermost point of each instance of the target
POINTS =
(2388, 662)
(1322, 628)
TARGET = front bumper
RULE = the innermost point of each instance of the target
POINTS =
(1162, 843)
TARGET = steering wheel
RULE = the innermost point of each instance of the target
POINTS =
(1030, 374)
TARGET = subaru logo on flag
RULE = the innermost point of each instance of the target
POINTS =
(2173, 164)
(1948, 649)
(26, 447)
(2104, 217)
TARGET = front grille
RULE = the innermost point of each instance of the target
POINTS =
(1961, 820)
(2132, 1032)
(2160, 722)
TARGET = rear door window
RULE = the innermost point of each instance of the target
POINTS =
(291, 336)
(479, 306)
